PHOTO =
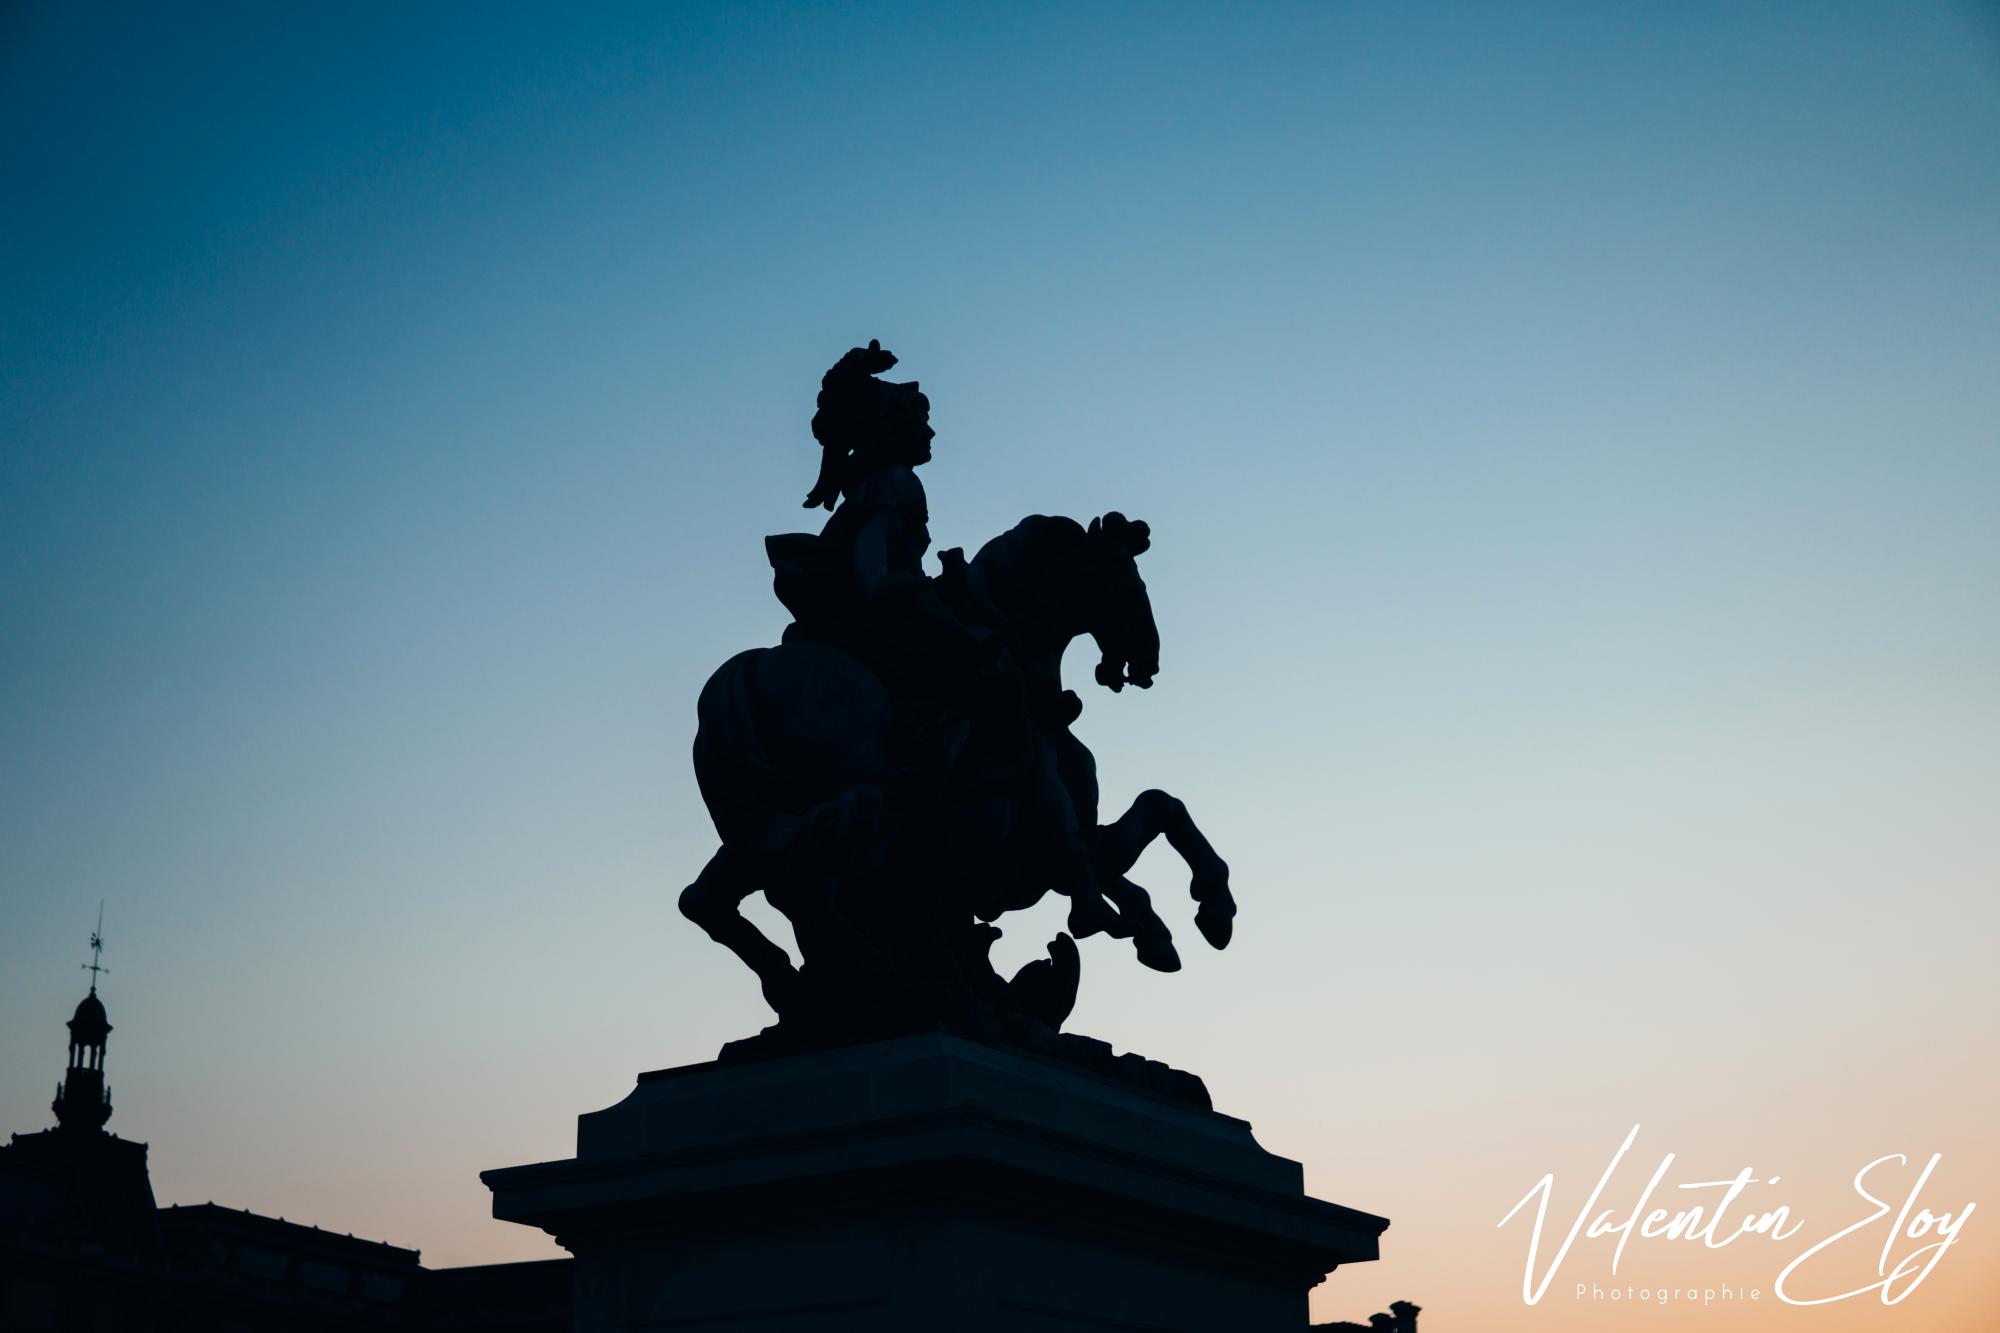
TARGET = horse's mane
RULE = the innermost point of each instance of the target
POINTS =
(1009, 563)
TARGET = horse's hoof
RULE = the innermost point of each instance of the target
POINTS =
(1215, 919)
(1158, 952)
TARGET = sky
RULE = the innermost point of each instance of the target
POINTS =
(1571, 443)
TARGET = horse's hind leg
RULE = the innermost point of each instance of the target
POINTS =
(1153, 814)
(1062, 849)
(714, 902)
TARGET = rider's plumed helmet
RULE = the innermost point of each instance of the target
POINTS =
(861, 420)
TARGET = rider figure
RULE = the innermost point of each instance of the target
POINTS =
(860, 583)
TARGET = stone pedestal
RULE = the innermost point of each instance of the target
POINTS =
(927, 1183)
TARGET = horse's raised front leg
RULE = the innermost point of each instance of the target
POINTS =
(1151, 939)
(1154, 814)
(714, 902)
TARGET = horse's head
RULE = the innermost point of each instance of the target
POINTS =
(1118, 614)
(1055, 579)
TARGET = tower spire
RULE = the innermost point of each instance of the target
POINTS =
(83, 1099)
(96, 949)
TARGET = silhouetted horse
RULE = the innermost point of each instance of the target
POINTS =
(865, 854)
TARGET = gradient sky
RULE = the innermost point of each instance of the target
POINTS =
(1571, 436)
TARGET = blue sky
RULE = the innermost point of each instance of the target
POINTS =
(1569, 434)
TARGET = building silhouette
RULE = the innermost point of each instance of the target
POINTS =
(85, 1249)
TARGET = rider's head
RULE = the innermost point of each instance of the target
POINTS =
(864, 423)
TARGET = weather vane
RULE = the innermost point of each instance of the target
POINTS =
(96, 949)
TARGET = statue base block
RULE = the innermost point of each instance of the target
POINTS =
(927, 1183)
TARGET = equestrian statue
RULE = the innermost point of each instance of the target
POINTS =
(900, 771)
